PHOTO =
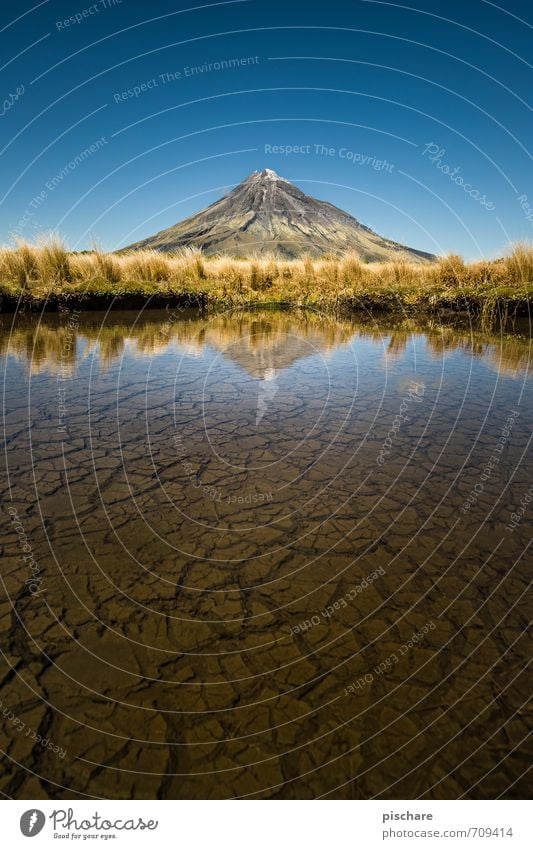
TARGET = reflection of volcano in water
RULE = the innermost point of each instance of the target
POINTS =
(261, 343)
(266, 393)
(265, 349)
(264, 345)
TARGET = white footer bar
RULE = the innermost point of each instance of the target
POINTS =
(268, 825)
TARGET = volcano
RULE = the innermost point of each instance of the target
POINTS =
(268, 214)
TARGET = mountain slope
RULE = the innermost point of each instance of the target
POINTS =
(267, 214)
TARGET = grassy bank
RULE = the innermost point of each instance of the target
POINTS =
(48, 275)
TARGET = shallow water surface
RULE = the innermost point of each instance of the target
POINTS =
(263, 554)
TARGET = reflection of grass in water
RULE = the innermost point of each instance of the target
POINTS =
(44, 342)
(41, 347)
(508, 353)
(491, 288)
(252, 337)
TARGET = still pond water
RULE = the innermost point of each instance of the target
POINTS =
(267, 555)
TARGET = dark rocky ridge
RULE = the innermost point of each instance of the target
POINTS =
(267, 214)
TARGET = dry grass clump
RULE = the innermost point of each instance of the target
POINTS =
(401, 274)
(351, 270)
(198, 264)
(28, 265)
(145, 266)
(53, 260)
(107, 267)
(518, 264)
(482, 273)
(96, 266)
(19, 266)
(185, 266)
(263, 272)
(449, 271)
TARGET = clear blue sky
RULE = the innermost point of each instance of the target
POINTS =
(353, 84)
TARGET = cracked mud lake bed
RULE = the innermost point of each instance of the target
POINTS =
(265, 554)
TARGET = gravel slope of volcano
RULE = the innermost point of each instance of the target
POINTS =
(268, 214)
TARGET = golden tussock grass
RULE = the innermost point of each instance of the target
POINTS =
(48, 268)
